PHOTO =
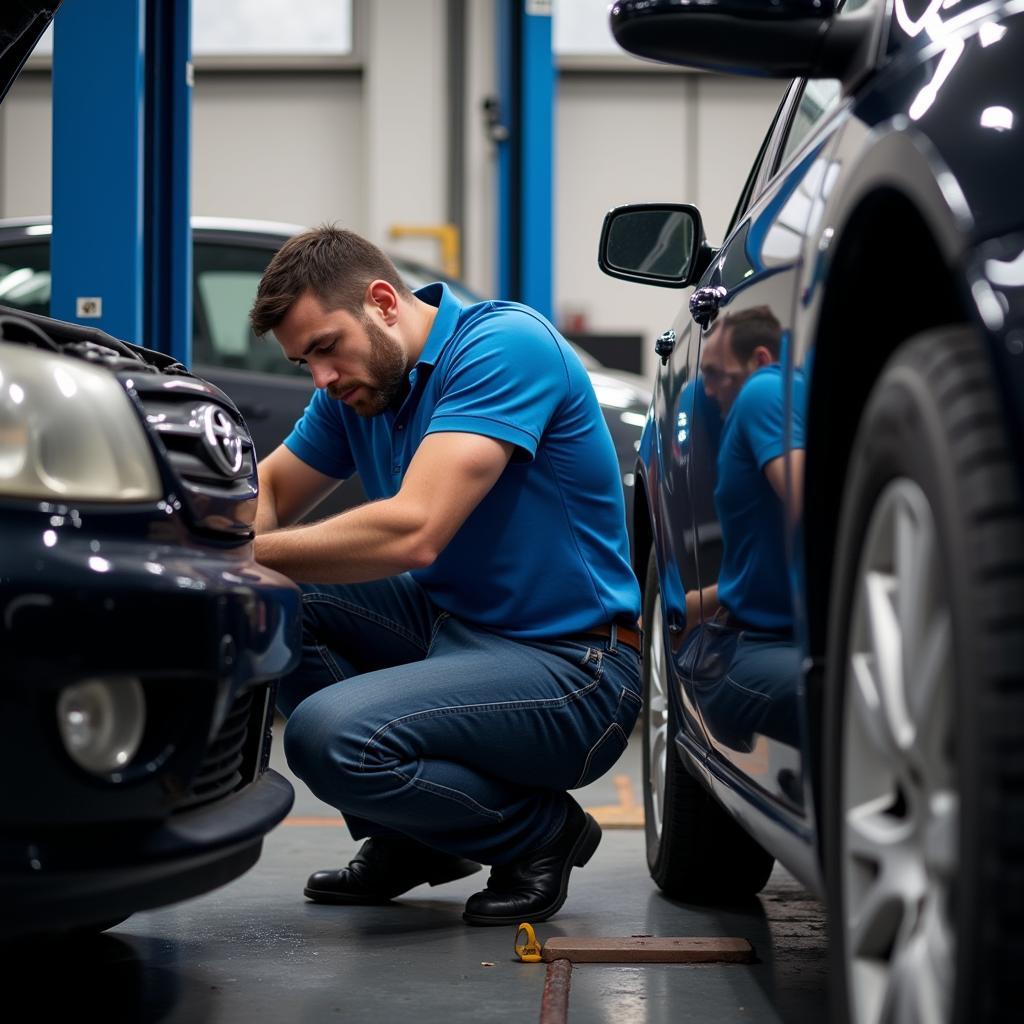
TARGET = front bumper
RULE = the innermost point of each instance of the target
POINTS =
(201, 630)
(122, 871)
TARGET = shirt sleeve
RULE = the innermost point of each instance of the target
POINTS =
(760, 411)
(320, 440)
(505, 382)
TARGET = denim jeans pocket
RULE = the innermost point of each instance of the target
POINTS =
(612, 742)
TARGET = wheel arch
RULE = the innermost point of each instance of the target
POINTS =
(643, 530)
(860, 325)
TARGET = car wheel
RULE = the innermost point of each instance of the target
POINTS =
(924, 778)
(695, 849)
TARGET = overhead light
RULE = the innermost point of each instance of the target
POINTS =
(990, 33)
(999, 118)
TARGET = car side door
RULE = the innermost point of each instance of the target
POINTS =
(746, 668)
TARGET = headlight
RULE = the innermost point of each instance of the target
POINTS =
(101, 722)
(68, 432)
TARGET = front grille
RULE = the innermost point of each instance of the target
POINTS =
(229, 762)
(210, 449)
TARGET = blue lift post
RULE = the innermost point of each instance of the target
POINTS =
(526, 159)
(121, 155)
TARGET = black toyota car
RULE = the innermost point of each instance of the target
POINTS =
(139, 641)
(829, 521)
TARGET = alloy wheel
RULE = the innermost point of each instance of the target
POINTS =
(900, 813)
(657, 719)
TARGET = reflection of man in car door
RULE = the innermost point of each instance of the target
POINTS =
(471, 650)
(744, 674)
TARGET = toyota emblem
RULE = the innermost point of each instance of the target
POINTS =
(222, 439)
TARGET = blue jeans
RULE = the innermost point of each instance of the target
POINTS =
(411, 721)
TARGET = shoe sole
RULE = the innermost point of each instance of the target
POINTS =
(583, 849)
(465, 869)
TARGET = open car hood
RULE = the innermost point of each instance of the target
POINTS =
(22, 22)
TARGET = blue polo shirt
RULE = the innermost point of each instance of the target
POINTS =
(545, 553)
(753, 582)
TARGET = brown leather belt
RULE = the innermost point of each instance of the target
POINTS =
(623, 635)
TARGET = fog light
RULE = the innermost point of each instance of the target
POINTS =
(102, 722)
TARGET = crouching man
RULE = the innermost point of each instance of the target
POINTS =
(471, 647)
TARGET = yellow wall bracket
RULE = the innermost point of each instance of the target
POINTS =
(448, 239)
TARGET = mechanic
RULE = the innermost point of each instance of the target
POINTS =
(471, 650)
(741, 374)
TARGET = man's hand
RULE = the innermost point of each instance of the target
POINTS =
(448, 477)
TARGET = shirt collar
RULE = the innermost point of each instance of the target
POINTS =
(447, 319)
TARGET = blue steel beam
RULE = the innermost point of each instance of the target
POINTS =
(526, 160)
(507, 144)
(96, 254)
(121, 148)
(537, 159)
(168, 269)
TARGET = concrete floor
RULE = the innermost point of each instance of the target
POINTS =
(255, 951)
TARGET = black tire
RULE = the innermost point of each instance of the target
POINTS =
(700, 854)
(933, 427)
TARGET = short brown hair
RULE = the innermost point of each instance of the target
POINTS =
(750, 328)
(334, 264)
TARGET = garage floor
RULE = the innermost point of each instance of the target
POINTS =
(257, 951)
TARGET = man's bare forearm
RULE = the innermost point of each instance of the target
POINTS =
(375, 540)
(266, 510)
(700, 603)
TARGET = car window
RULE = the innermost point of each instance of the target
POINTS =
(226, 279)
(25, 277)
(818, 99)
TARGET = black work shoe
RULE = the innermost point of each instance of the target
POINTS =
(385, 867)
(534, 887)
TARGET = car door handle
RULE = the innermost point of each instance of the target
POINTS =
(254, 412)
(665, 345)
(704, 303)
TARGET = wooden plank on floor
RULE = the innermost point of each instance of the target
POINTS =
(648, 949)
(627, 813)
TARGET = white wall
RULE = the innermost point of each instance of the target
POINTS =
(406, 128)
(479, 264)
(279, 146)
(26, 147)
(646, 137)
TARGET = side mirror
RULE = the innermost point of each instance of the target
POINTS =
(777, 39)
(653, 243)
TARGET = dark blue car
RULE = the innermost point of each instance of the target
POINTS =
(829, 523)
(139, 641)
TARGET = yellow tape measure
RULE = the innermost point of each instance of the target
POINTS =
(527, 946)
